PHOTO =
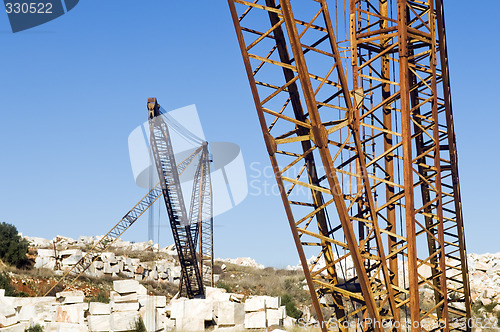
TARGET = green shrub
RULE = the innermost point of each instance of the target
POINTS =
(291, 307)
(34, 328)
(5, 284)
(100, 297)
(139, 326)
(9, 289)
(490, 307)
(13, 249)
(476, 307)
(223, 285)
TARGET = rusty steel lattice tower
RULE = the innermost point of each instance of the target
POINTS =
(356, 113)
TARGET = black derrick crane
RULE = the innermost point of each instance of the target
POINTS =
(183, 229)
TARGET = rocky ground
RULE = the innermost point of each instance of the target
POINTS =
(131, 308)
(97, 302)
(155, 273)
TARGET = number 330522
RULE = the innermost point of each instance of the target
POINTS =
(25, 8)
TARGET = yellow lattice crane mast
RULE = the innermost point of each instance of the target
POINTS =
(356, 114)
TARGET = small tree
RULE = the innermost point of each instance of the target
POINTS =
(5, 284)
(291, 307)
(13, 249)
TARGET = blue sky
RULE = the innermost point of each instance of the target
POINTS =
(73, 89)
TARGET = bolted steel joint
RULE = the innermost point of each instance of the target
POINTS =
(270, 144)
(319, 136)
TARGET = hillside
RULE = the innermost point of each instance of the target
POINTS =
(157, 269)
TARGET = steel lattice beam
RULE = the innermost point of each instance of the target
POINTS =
(117, 231)
(201, 215)
(192, 284)
(107, 240)
(374, 154)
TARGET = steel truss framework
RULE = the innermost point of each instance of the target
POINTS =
(380, 153)
(182, 229)
(201, 225)
(107, 240)
(117, 231)
(201, 215)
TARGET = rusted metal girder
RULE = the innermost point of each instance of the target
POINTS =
(373, 155)
(409, 102)
(455, 250)
(201, 215)
(328, 127)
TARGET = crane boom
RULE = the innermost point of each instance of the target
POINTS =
(107, 240)
(186, 228)
(164, 158)
(201, 215)
(117, 231)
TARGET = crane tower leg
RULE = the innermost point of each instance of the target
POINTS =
(378, 152)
